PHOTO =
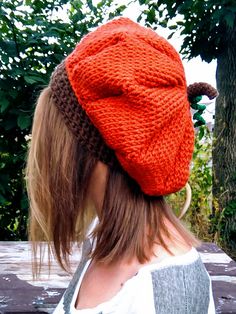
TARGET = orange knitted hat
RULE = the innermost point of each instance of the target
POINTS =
(123, 93)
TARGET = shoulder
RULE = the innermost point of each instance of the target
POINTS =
(175, 285)
(180, 286)
(188, 283)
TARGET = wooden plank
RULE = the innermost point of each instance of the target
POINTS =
(20, 294)
(216, 261)
(222, 270)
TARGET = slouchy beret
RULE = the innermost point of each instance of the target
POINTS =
(123, 93)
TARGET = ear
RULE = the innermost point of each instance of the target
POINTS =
(97, 185)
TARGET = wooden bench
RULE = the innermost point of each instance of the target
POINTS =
(19, 294)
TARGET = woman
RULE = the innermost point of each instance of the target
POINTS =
(112, 135)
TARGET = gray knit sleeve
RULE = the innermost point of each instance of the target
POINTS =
(181, 289)
(67, 298)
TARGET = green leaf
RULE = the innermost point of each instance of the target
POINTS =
(5, 59)
(23, 121)
(180, 23)
(9, 46)
(34, 79)
(151, 16)
(78, 4)
(2, 199)
(30, 79)
(230, 19)
(24, 202)
(201, 133)
(171, 35)
(56, 29)
(139, 18)
(163, 23)
(4, 103)
(91, 6)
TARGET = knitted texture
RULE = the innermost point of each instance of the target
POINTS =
(76, 119)
(131, 84)
(199, 89)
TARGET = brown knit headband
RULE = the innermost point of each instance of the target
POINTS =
(76, 118)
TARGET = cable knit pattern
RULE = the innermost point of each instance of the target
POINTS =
(131, 84)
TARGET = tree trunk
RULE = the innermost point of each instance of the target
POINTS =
(224, 151)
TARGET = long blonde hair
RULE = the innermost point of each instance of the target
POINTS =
(58, 174)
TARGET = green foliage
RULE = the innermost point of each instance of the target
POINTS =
(205, 25)
(227, 226)
(35, 35)
(198, 215)
(218, 226)
(224, 227)
(201, 183)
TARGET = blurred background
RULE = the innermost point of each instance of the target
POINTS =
(35, 35)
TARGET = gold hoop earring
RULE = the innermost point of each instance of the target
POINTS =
(187, 201)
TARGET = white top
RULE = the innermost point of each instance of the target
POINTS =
(154, 288)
